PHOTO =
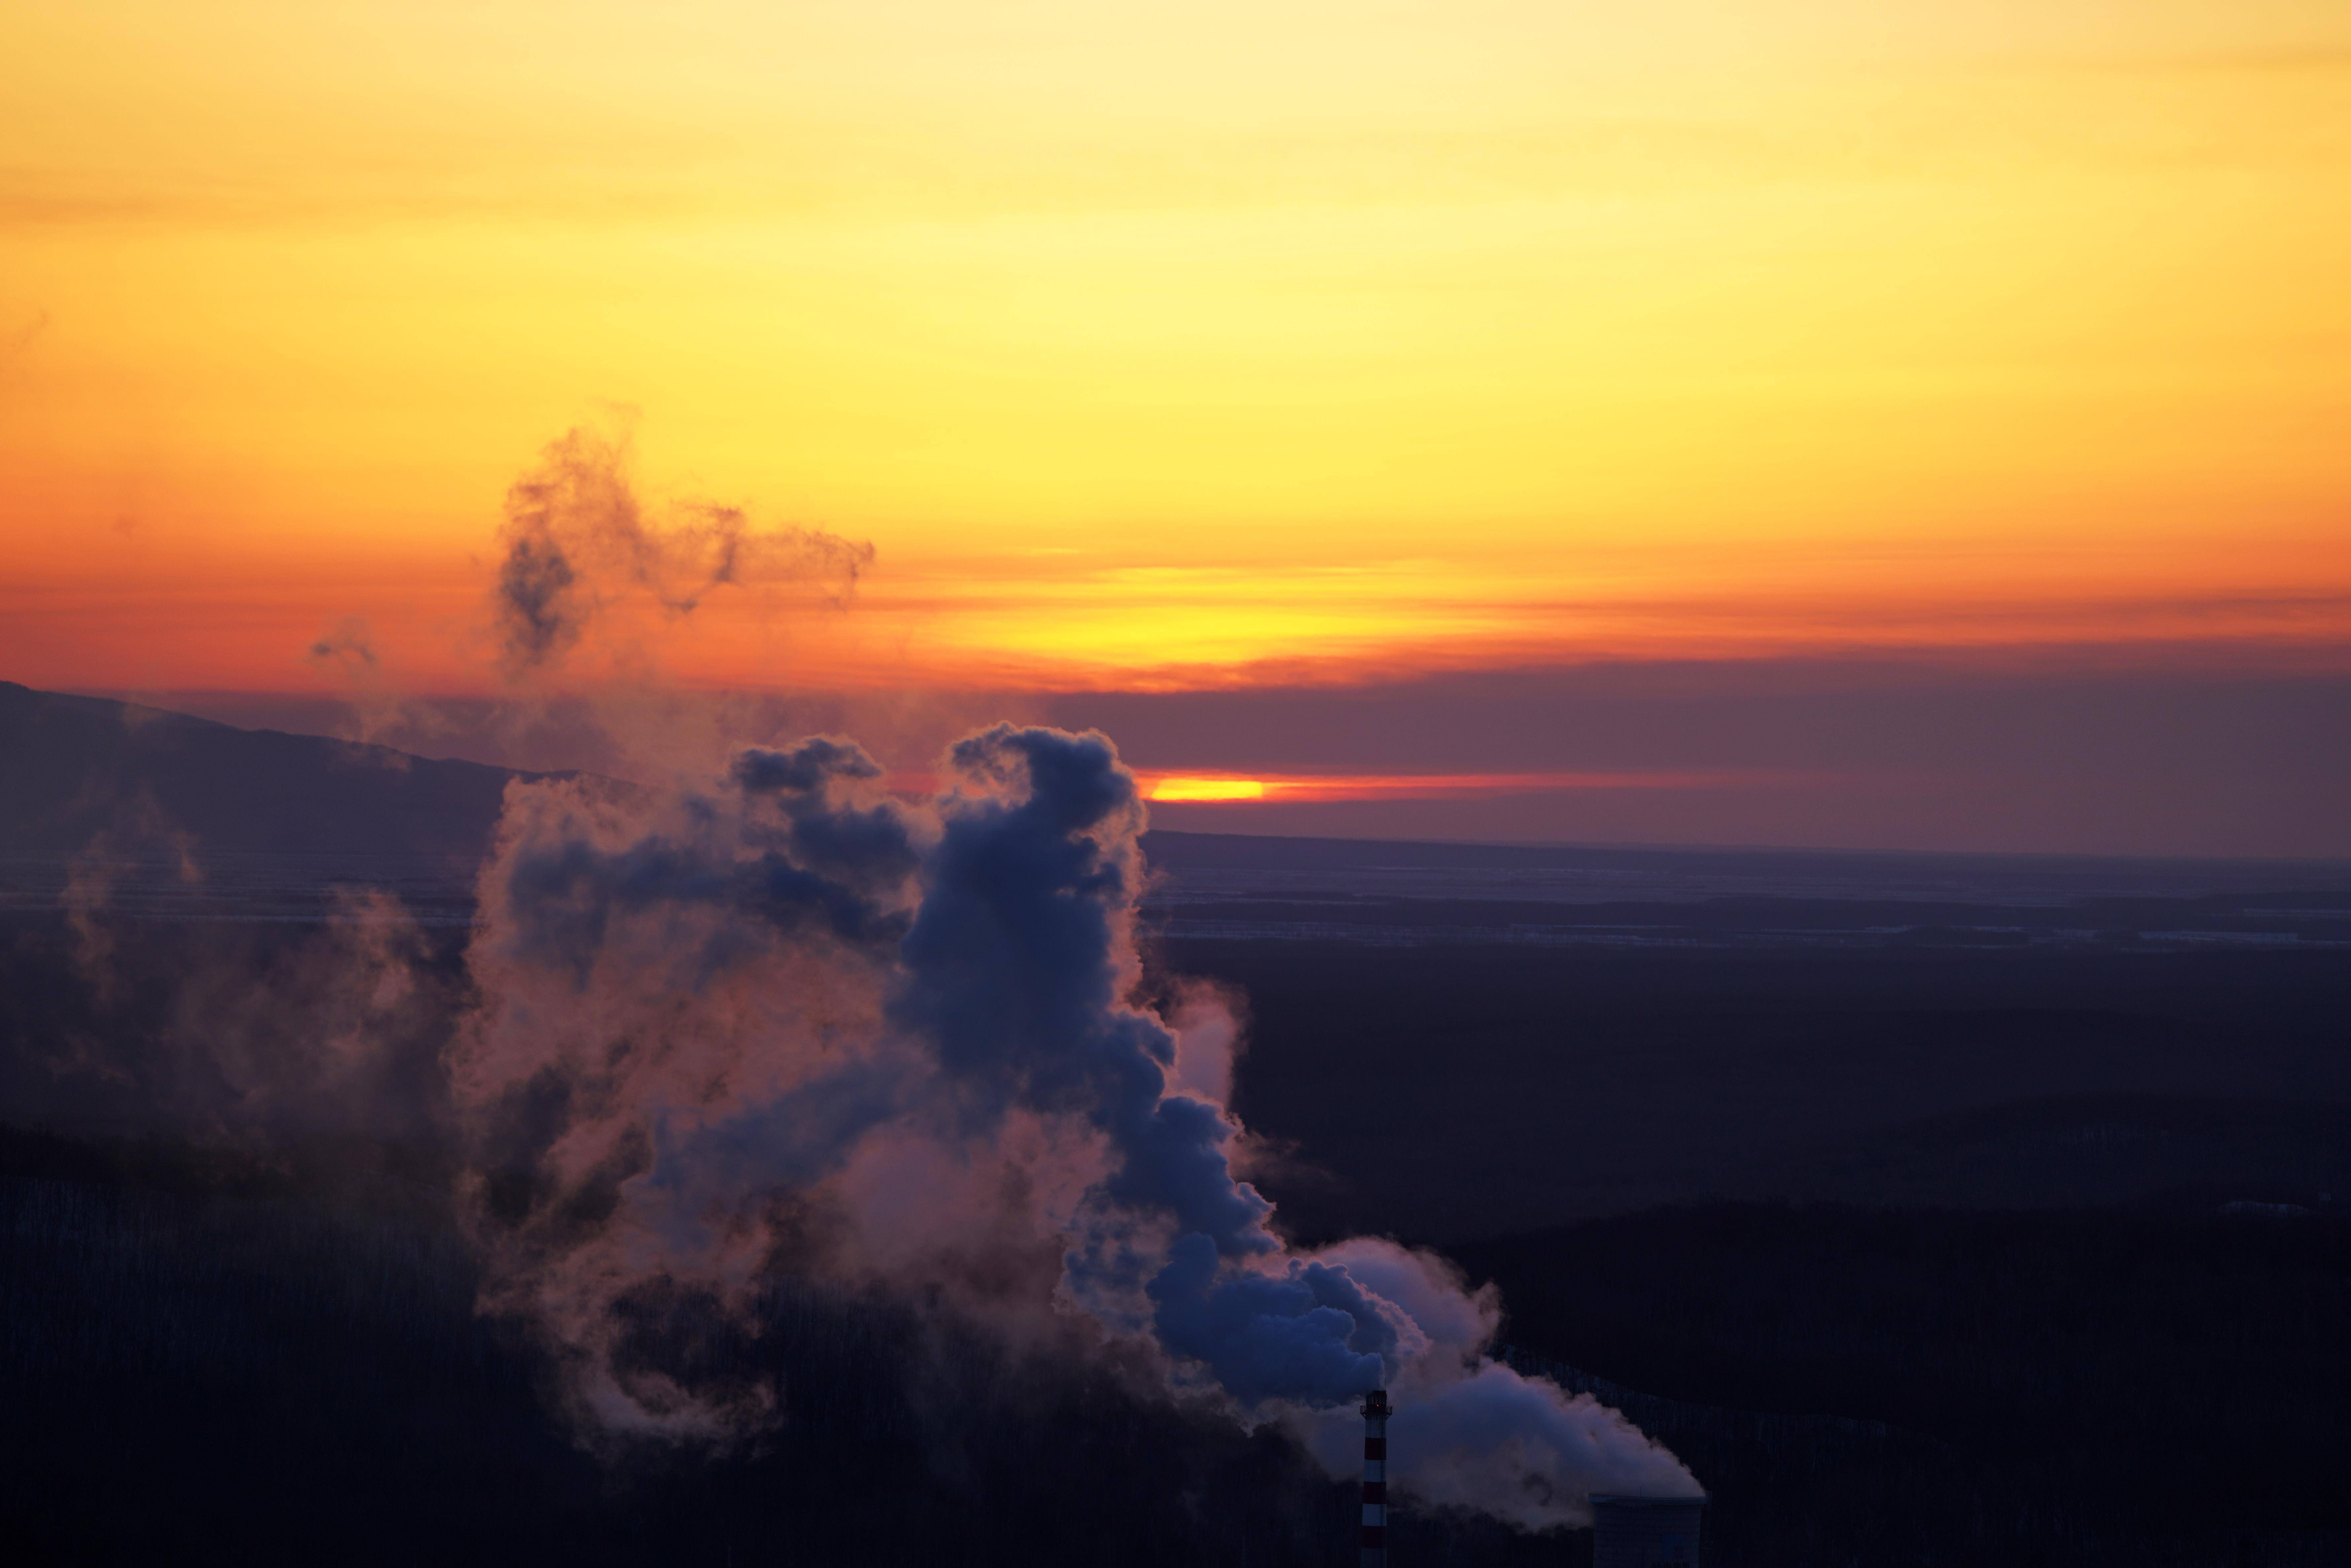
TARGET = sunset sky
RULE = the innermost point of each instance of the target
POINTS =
(1247, 354)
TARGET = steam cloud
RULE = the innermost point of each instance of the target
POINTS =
(578, 542)
(787, 1021)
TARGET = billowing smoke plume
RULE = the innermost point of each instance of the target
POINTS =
(790, 1022)
(579, 544)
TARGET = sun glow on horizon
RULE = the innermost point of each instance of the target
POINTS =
(1323, 788)
(1177, 788)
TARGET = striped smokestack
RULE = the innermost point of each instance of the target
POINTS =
(1376, 1478)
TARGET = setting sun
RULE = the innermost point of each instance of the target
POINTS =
(1203, 790)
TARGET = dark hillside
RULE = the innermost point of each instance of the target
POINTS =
(78, 768)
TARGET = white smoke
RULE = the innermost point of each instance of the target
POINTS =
(788, 1022)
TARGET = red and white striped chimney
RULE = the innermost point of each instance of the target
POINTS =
(1376, 1478)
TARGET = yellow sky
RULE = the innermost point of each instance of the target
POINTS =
(1172, 343)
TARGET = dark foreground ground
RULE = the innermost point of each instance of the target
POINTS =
(210, 1361)
(1922, 1240)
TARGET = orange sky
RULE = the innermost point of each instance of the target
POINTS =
(1170, 347)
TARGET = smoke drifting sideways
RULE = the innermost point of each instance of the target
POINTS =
(787, 1022)
(577, 544)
